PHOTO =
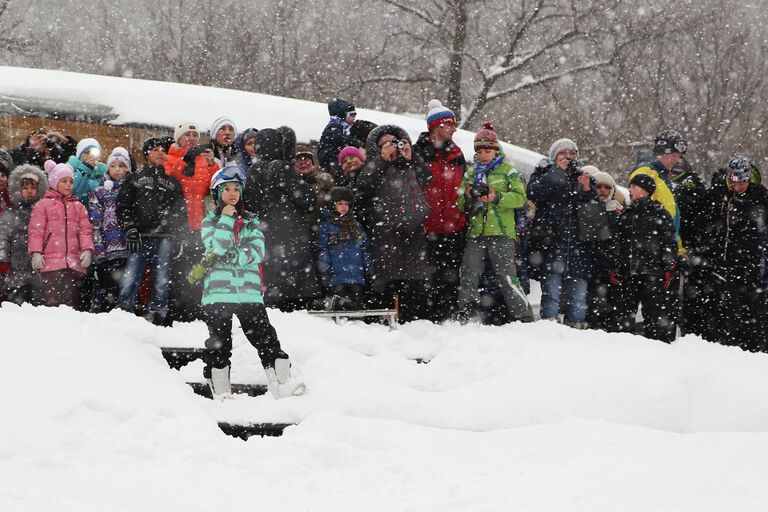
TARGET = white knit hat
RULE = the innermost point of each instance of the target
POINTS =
(85, 145)
(184, 127)
(218, 123)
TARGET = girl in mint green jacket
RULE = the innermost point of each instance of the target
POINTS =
(234, 248)
(490, 193)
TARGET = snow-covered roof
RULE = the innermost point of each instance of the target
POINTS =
(134, 101)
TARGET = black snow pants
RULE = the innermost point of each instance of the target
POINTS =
(659, 306)
(256, 326)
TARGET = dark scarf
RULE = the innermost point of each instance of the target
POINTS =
(350, 229)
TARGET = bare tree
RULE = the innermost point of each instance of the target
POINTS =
(492, 57)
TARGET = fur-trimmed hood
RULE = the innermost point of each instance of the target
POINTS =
(372, 149)
(26, 171)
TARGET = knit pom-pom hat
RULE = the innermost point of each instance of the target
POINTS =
(57, 172)
(437, 114)
(487, 138)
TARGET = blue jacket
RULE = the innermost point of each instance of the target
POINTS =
(347, 260)
(86, 179)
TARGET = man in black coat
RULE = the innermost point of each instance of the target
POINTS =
(644, 250)
(152, 212)
(736, 235)
(393, 183)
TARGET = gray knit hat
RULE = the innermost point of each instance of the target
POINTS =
(561, 145)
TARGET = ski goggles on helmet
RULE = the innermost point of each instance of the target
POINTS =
(231, 172)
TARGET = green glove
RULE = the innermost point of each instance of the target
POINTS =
(200, 269)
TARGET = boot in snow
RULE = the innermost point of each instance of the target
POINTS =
(219, 383)
(280, 382)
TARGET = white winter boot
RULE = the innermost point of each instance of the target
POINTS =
(221, 389)
(280, 382)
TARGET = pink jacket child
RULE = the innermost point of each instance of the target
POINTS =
(60, 236)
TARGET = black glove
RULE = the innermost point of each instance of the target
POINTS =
(190, 156)
(133, 241)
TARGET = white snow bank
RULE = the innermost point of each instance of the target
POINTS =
(523, 417)
(168, 103)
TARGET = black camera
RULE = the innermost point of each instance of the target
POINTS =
(573, 164)
(480, 189)
(399, 144)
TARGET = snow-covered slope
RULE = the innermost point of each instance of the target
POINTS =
(522, 417)
(166, 103)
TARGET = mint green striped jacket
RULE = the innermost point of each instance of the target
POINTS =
(235, 277)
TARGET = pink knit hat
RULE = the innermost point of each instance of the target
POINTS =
(350, 151)
(56, 172)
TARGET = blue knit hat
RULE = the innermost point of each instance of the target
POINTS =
(438, 114)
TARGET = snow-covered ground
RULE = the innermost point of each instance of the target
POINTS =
(522, 417)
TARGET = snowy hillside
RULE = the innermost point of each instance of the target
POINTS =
(165, 104)
(523, 417)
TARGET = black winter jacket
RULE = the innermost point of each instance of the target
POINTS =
(644, 241)
(332, 141)
(152, 202)
(398, 247)
(735, 232)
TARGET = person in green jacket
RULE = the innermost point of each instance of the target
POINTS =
(234, 248)
(489, 194)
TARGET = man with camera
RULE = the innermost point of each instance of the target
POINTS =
(44, 144)
(392, 183)
(560, 259)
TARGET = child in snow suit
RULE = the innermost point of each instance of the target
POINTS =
(232, 286)
(111, 251)
(27, 184)
(490, 193)
(645, 245)
(343, 251)
(60, 237)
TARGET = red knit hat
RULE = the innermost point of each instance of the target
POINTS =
(487, 138)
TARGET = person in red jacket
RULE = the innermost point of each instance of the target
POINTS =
(193, 166)
(60, 237)
(446, 222)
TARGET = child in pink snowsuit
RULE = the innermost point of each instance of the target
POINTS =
(60, 237)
